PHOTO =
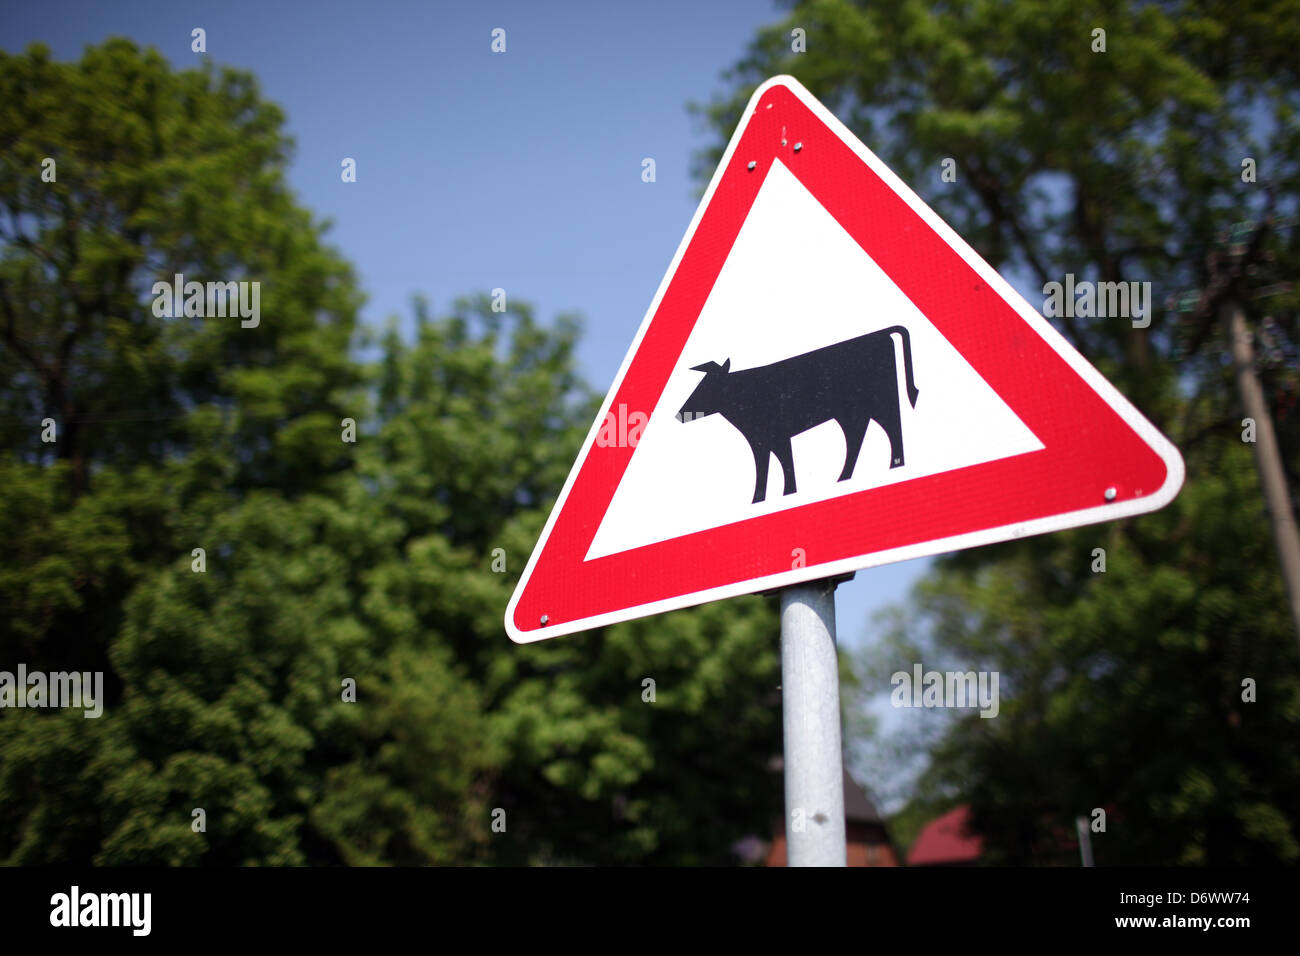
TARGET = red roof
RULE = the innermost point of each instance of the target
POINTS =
(946, 839)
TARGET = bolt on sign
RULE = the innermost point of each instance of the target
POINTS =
(827, 371)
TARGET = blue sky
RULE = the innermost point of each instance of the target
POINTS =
(478, 170)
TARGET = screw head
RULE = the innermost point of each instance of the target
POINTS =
(1110, 494)
(545, 618)
(751, 166)
(798, 146)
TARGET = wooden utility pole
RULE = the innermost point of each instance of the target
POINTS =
(1268, 458)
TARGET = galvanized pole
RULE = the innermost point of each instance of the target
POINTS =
(1085, 839)
(810, 683)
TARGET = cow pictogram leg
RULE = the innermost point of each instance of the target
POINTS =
(854, 435)
(785, 455)
(762, 458)
(892, 423)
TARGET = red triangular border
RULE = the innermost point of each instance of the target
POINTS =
(1091, 442)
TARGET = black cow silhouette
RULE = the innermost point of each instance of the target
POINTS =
(852, 382)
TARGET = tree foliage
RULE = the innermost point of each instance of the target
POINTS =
(327, 564)
(1120, 690)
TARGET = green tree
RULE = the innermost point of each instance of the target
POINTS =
(176, 433)
(158, 173)
(1120, 690)
(328, 567)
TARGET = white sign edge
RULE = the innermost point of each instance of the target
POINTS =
(1173, 460)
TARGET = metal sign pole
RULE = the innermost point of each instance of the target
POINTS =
(810, 683)
(1085, 839)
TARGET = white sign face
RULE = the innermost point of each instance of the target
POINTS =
(685, 477)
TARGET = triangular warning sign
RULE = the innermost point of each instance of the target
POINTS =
(829, 378)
